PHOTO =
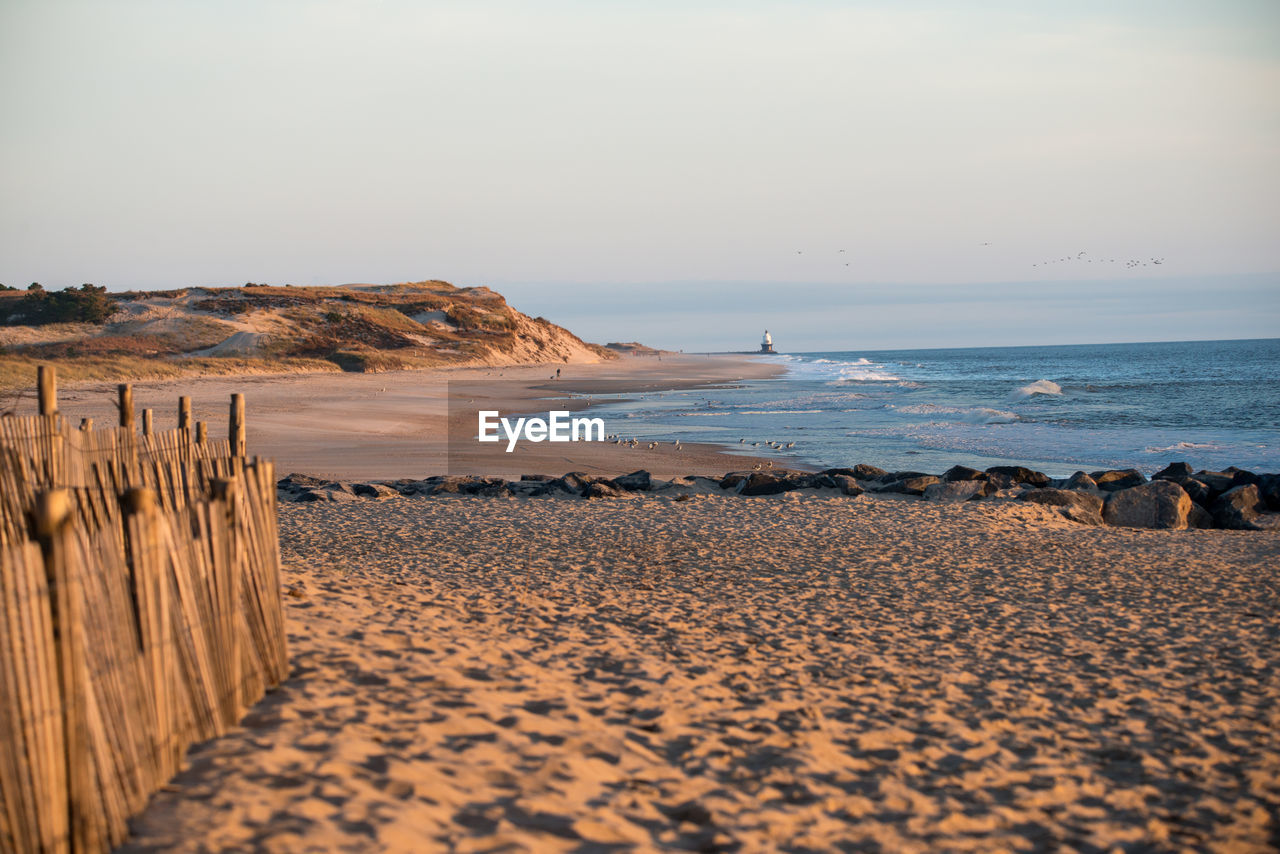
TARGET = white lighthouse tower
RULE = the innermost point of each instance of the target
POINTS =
(766, 343)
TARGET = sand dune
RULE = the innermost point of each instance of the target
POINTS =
(787, 673)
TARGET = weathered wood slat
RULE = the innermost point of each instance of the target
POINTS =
(139, 613)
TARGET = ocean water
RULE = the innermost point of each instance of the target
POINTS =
(1056, 409)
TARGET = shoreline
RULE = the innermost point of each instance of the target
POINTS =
(400, 424)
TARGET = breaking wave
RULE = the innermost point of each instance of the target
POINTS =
(1037, 387)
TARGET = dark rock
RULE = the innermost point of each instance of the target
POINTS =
(336, 496)
(1081, 481)
(1158, 504)
(862, 471)
(956, 473)
(914, 485)
(1199, 492)
(1238, 508)
(374, 490)
(848, 485)
(531, 488)
(1021, 474)
(734, 479)
(1217, 481)
(891, 477)
(338, 486)
(543, 478)
(1076, 505)
(1002, 481)
(487, 486)
(1269, 489)
(958, 490)
(1173, 471)
(637, 481)
(575, 482)
(602, 489)
(769, 483)
(1113, 481)
(299, 481)
(1199, 517)
(1240, 477)
(844, 471)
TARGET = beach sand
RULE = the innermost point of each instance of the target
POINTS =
(796, 672)
(400, 424)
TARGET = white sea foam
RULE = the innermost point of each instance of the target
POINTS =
(1037, 387)
(964, 414)
(861, 370)
(1183, 446)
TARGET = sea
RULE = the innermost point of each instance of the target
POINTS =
(1056, 409)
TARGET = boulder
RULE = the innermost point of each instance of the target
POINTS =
(602, 489)
(772, 483)
(862, 471)
(1116, 480)
(542, 478)
(1238, 508)
(1217, 481)
(734, 479)
(574, 483)
(1158, 504)
(1269, 489)
(337, 496)
(1002, 481)
(916, 484)
(531, 488)
(1199, 492)
(1078, 506)
(890, 477)
(1080, 480)
(637, 481)
(848, 485)
(299, 481)
(488, 486)
(1199, 517)
(844, 471)
(1173, 471)
(956, 473)
(1240, 477)
(958, 490)
(338, 486)
(374, 490)
(1021, 474)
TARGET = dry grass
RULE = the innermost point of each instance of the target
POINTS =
(18, 371)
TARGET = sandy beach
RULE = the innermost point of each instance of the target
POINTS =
(786, 673)
(400, 424)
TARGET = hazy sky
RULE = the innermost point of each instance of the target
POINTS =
(719, 154)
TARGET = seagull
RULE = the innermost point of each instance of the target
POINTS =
(769, 464)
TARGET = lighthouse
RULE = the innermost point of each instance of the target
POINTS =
(766, 343)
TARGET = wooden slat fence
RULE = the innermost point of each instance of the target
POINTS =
(140, 613)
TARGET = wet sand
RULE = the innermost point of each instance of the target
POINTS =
(796, 673)
(401, 425)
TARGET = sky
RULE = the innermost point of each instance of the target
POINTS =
(680, 173)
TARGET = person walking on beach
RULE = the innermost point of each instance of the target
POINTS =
(557, 373)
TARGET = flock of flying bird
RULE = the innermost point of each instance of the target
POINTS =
(1129, 263)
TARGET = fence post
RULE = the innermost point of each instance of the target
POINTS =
(151, 592)
(202, 432)
(51, 516)
(47, 379)
(126, 405)
(146, 422)
(184, 413)
(236, 427)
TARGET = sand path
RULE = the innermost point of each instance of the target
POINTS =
(790, 673)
